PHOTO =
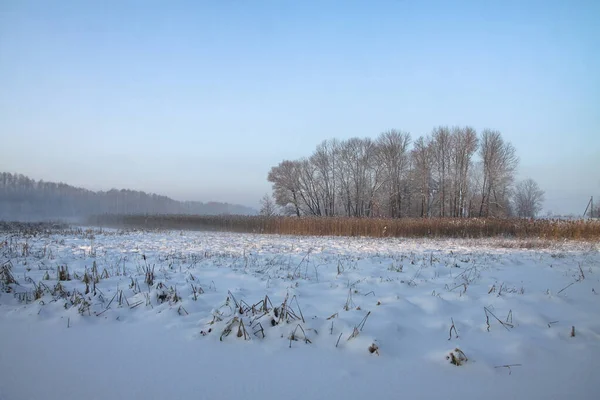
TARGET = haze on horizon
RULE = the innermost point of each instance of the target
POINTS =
(198, 100)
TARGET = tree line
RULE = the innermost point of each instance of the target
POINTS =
(452, 172)
(24, 199)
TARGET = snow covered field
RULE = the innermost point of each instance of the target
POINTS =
(155, 315)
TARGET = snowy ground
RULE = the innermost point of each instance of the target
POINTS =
(363, 317)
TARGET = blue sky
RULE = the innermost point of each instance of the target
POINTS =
(197, 100)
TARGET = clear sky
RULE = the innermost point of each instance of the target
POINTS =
(198, 99)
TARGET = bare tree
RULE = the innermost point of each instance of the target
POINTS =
(324, 160)
(361, 176)
(528, 198)
(422, 171)
(310, 193)
(358, 176)
(268, 208)
(394, 157)
(474, 184)
(464, 146)
(441, 142)
(499, 162)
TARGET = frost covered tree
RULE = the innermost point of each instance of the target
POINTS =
(285, 178)
(528, 198)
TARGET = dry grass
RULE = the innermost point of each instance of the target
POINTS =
(543, 229)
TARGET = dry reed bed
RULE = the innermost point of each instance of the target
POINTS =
(588, 230)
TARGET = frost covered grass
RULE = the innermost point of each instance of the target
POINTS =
(101, 314)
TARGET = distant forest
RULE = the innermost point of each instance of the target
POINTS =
(24, 199)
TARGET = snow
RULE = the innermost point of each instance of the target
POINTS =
(123, 343)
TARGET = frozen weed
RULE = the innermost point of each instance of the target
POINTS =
(457, 357)
(63, 273)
